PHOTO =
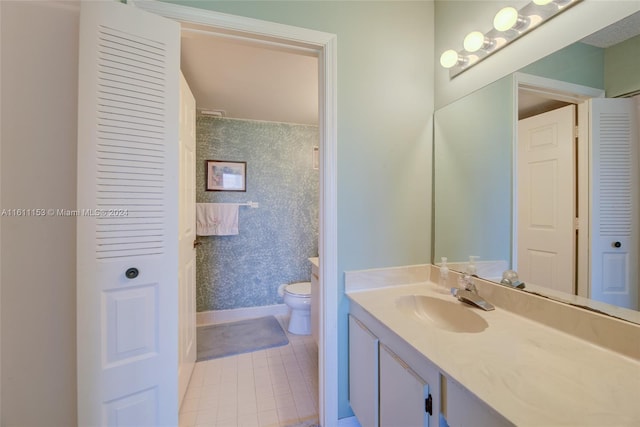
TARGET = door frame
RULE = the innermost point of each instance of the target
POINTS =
(324, 45)
(579, 95)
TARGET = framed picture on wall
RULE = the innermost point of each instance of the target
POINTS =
(226, 176)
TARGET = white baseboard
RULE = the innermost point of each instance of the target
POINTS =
(223, 316)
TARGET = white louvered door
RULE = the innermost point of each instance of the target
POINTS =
(127, 242)
(614, 203)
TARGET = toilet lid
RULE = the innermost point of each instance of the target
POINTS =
(301, 288)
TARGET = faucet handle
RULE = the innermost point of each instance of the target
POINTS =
(466, 282)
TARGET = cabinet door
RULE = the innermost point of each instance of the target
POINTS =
(463, 409)
(403, 394)
(363, 373)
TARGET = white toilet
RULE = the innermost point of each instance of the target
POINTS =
(297, 296)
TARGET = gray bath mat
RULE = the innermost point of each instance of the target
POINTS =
(244, 336)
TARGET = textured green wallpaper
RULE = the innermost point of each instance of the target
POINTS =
(274, 240)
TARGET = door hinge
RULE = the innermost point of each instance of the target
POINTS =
(428, 405)
(576, 132)
(576, 224)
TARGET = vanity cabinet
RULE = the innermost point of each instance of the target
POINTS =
(393, 385)
(363, 373)
(383, 389)
(404, 396)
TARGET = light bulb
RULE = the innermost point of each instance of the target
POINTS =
(505, 19)
(542, 2)
(449, 58)
(474, 41)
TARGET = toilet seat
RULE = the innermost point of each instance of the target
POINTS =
(299, 289)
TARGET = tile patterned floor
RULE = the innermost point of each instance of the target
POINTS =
(276, 387)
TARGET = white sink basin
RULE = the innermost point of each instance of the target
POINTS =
(449, 315)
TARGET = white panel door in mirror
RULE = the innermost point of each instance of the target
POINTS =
(546, 195)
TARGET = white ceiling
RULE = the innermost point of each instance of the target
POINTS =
(615, 33)
(249, 80)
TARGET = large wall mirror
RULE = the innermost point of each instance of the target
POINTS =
(524, 181)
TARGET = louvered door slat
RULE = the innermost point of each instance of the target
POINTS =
(122, 104)
(130, 117)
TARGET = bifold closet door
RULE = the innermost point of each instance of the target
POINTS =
(127, 228)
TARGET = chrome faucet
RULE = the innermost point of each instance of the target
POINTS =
(468, 293)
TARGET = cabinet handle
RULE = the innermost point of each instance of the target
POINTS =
(428, 405)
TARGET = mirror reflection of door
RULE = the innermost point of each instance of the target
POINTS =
(546, 177)
(548, 223)
(614, 210)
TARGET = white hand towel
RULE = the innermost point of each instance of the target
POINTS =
(216, 219)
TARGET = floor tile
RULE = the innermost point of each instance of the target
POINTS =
(268, 418)
(267, 388)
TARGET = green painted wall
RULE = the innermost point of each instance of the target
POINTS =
(578, 63)
(385, 105)
(473, 140)
(622, 68)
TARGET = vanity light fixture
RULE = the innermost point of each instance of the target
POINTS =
(450, 58)
(508, 25)
(508, 18)
(475, 41)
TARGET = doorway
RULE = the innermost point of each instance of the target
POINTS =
(536, 95)
(324, 46)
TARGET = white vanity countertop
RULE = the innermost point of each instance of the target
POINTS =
(531, 374)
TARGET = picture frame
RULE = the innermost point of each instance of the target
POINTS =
(223, 175)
